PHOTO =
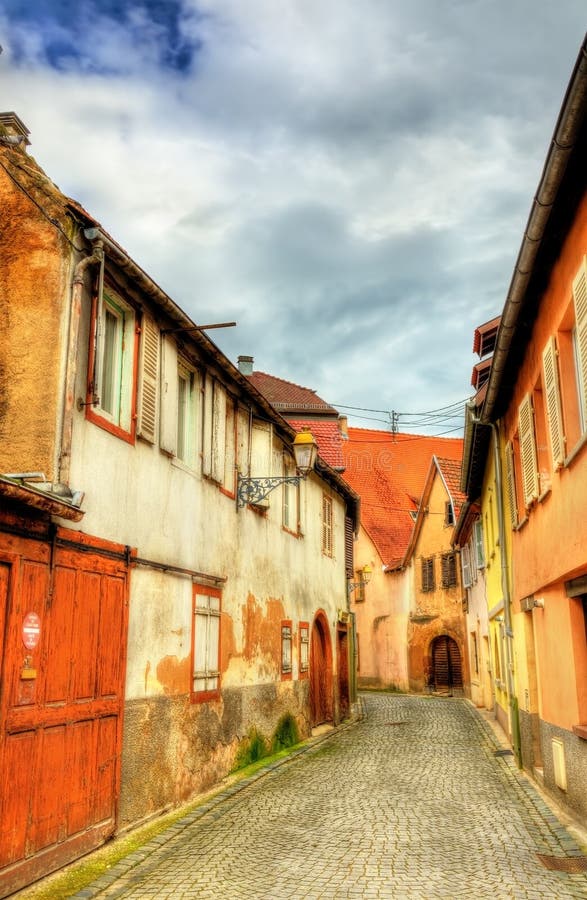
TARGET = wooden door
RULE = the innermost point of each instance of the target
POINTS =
(320, 673)
(446, 663)
(343, 670)
(61, 706)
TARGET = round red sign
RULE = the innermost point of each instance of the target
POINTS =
(31, 630)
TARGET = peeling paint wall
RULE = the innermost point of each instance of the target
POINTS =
(34, 284)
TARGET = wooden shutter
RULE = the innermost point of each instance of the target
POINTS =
(207, 425)
(218, 432)
(553, 403)
(511, 483)
(528, 451)
(169, 388)
(348, 546)
(448, 570)
(466, 566)
(148, 381)
(428, 583)
(580, 298)
(327, 524)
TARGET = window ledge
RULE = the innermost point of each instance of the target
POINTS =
(580, 731)
(545, 493)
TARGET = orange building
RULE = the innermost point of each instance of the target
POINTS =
(536, 401)
(389, 473)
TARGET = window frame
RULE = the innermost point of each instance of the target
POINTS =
(187, 437)
(449, 570)
(286, 656)
(303, 642)
(208, 672)
(327, 525)
(428, 575)
(122, 422)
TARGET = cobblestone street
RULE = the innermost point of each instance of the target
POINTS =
(410, 802)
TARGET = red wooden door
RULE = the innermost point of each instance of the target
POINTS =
(320, 673)
(61, 706)
(446, 661)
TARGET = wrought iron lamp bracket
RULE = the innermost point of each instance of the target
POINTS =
(253, 490)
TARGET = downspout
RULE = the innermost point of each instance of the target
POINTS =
(77, 284)
(505, 588)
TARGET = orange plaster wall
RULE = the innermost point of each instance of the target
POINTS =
(33, 283)
(561, 512)
(552, 627)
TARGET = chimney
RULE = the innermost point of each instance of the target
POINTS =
(13, 131)
(343, 424)
(245, 365)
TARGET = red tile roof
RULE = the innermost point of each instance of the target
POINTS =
(450, 470)
(286, 396)
(328, 437)
(389, 472)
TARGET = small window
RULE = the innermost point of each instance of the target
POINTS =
(428, 574)
(478, 544)
(111, 388)
(449, 515)
(449, 570)
(474, 653)
(206, 644)
(186, 416)
(359, 595)
(304, 642)
(528, 455)
(286, 649)
(466, 566)
(327, 525)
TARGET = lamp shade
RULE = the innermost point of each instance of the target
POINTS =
(305, 451)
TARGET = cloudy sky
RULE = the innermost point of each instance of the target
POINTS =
(347, 180)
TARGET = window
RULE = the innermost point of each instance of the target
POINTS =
(580, 302)
(530, 488)
(448, 566)
(474, 653)
(359, 594)
(327, 525)
(510, 469)
(291, 499)
(148, 399)
(466, 566)
(478, 544)
(286, 647)
(553, 403)
(186, 415)
(428, 574)
(304, 644)
(449, 516)
(111, 387)
(206, 644)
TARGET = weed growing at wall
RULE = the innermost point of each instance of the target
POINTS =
(252, 748)
(286, 734)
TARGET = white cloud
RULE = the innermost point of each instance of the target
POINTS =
(350, 181)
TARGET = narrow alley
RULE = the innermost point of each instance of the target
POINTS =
(416, 800)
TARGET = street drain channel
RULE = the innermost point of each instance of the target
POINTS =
(573, 865)
(503, 753)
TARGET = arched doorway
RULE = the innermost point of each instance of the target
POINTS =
(320, 672)
(447, 673)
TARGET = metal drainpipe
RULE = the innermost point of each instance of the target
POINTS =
(96, 258)
(505, 587)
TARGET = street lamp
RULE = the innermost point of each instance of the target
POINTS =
(253, 490)
(364, 578)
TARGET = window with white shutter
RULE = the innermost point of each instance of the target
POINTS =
(528, 451)
(580, 301)
(206, 643)
(511, 483)
(169, 395)
(148, 398)
(553, 403)
(478, 543)
(466, 566)
(327, 544)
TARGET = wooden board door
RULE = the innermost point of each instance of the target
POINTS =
(61, 707)
(320, 673)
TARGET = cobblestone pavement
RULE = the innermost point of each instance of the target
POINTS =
(410, 802)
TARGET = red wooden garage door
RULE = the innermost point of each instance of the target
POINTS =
(65, 610)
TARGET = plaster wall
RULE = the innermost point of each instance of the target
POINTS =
(35, 286)
(381, 621)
